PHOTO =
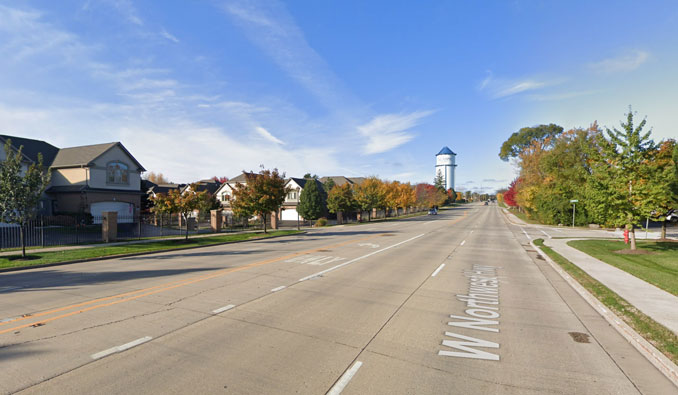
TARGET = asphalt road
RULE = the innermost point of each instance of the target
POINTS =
(454, 303)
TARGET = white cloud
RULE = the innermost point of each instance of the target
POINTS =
(385, 132)
(561, 95)
(498, 88)
(626, 62)
(164, 33)
(267, 135)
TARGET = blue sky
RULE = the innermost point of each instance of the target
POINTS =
(196, 89)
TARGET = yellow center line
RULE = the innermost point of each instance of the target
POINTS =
(159, 288)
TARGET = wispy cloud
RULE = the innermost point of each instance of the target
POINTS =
(498, 88)
(628, 61)
(385, 132)
(270, 26)
(561, 95)
(268, 136)
(164, 33)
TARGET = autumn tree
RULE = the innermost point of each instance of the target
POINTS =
(525, 139)
(370, 195)
(510, 194)
(263, 194)
(157, 178)
(451, 195)
(176, 202)
(20, 192)
(341, 200)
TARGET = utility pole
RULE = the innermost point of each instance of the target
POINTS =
(574, 209)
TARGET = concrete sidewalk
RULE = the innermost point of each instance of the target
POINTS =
(656, 303)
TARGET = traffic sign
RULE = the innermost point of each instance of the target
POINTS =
(574, 201)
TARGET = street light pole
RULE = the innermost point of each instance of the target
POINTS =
(574, 209)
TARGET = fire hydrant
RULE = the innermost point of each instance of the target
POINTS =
(626, 236)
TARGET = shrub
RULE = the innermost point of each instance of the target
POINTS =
(321, 222)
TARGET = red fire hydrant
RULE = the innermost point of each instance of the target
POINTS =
(626, 236)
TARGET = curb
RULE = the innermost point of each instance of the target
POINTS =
(117, 256)
(656, 358)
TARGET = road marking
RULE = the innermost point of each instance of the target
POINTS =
(435, 273)
(317, 260)
(133, 295)
(222, 309)
(549, 236)
(463, 242)
(528, 236)
(345, 378)
(357, 259)
(280, 288)
(371, 245)
(124, 347)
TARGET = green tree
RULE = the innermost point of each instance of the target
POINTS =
(20, 193)
(439, 182)
(328, 185)
(369, 195)
(264, 193)
(618, 187)
(660, 182)
(312, 201)
(176, 202)
(526, 137)
(340, 199)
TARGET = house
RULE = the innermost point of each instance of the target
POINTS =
(225, 190)
(152, 190)
(87, 179)
(210, 185)
(289, 207)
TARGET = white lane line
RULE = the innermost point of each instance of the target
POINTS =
(463, 242)
(280, 288)
(222, 309)
(124, 347)
(549, 236)
(429, 222)
(345, 378)
(442, 265)
(358, 258)
(528, 236)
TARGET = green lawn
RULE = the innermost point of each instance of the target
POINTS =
(661, 337)
(659, 268)
(42, 258)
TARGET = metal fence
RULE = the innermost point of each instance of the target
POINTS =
(64, 230)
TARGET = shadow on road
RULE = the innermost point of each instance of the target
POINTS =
(49, 279)
(191, 254)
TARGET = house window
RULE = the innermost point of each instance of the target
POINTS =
(292, 196)
(225, 196)
(117, 173)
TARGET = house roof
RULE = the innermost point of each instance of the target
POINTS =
(208, 185)
(31, 148)
(445, 151)
(341, 180)
(85, 188)
(240, 178)
(86, 154)
(302, 181)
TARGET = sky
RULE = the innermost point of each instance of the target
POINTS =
(195, 89)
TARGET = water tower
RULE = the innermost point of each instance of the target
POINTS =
(445, 166)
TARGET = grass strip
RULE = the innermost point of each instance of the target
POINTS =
(45, 258)
(657, 266)
(658, 335)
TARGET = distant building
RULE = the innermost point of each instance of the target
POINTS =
(445, 167)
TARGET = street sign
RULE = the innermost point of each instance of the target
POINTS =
(574, 201)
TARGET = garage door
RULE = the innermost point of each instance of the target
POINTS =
(125, 211)
(289, 214)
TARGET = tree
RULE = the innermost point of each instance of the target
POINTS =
(20, 193)
(328, 185)
(660, 182)
(439, 182)
(312, 201)
(221, 180)
(206, 202)
(369, 195)
(510, 195)
(620, 175)
(340, 199)
(451, 196)
(460, 197)
(526, 137)
(263, 194)
(176, 202)
(157, 178)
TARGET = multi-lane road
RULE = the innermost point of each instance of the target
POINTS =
(453, 303)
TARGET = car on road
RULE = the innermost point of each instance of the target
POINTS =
(432, 212)
(672, 216)
(485, 203)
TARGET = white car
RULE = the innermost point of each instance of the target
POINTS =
(672, 216)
